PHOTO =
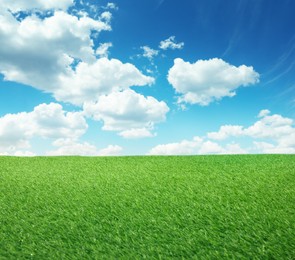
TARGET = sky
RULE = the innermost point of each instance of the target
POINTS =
(149, 77)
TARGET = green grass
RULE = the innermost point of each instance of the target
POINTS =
(202, 207)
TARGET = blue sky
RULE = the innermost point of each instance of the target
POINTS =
(147, 77)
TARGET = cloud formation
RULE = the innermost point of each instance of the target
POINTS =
(112, 6)
(184, 147)
(103, 50)
(205, 81)
(170, 43)
(88, 82)
(149, 52)
(24, 5)
(72, 147)
(226, 131)
(270, 134)
(127, 110)
(275, 132)
(56, 54)
(135, 133)
(196, 146)
(37, 52)
(45, 121)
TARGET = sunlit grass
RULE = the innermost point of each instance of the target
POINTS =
(155, 207)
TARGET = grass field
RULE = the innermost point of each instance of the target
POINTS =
(202, 207)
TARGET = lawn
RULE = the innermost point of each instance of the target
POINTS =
(202, 207)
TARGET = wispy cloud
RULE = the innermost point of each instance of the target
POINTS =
(279, 69)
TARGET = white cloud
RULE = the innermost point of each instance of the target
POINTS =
(265, 147)
(170, 44)
(225, 131)
(127, 110)
(207, 80)
(235, 148)
(83, 149)
(276, 128)
(24, 153)
(263, 113)
(149, 52)
(56, 54)
(270, 134)
(112, 6)
(46, 121)
(106, 17)
(53, 122)
(135, 133)
(209, 147)
(18, 153)
(15, 130)
(184, 147)
(72, 147)
(196, 146)
(111, 150)
(38, 52)
(25, 5)
(103, 50)
(271, 126)
(89, 81)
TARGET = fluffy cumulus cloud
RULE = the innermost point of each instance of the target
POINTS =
(24, 5)
(110, 150)
(170, 43)
(127, 110)
(235, 148)
(196, 146)
(204, 81)
(272, 126)
(184, 147)
(56, 53)
(270, 134)
(225, 131)
(275, 132)
(52, 122)
(135, 133)
(265, 147)
(72, 147)
(46, 121)
(263, 113)
(18, 153)
(90, 81)
(278, 130)
(209, 147)
(38, 51)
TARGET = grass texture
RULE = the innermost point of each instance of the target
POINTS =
(171, 207)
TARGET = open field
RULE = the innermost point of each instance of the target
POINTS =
(201, 207)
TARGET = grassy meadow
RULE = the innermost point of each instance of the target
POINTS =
(169, 207)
